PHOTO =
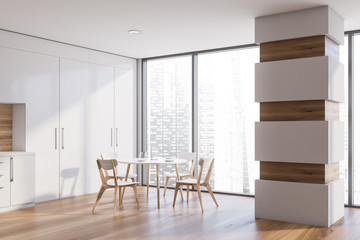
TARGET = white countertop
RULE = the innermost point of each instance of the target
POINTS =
(15, 153)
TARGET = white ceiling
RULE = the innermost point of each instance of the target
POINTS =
(167, 26)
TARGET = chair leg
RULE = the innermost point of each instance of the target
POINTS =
(199, 193)
(101, 191)
(136, 196)
(176, 190)
(181, 194)
(212, 194)
(166, 183)
(122, 195)
(119, 196)
(115, 195)
(187, 194)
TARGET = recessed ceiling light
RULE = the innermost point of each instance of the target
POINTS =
(133, 31)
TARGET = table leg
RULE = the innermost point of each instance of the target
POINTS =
(127, 172)
(178, 178)
(126, 178)
(158, 185)
(148, 180)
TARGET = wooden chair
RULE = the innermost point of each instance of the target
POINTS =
(183, 155)
(110, 165)
(197, 182)
(121, 176)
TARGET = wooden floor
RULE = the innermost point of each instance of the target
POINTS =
(71, 218)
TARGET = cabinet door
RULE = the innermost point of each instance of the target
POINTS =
(33, 79)
(125, 110)
(74, 128)
(23, 180)
(4, 181)
(102, 117)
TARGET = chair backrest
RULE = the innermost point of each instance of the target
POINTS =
(107, 165)
(190, 156)
(107, 156)
(205, 163)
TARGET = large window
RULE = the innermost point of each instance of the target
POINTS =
(226, 117)
(226, 114)
(169, 108)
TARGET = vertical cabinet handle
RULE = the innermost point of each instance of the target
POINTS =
(117, 136)
(111, 137)
(11, 170)
(56, 138)
(63, 138)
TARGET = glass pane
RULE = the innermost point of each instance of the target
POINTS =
(344, 118)
(226, 118)
(169, 108)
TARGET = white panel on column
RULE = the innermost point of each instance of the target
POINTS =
(318, 142)
(305, 203)
(303, 23)
(294, 80)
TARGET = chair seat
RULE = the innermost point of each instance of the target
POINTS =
(120, 183)
(131, 175)
(187, 181)
(173, 174)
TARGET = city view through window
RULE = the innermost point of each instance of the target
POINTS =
(169, 108)
(226, 116)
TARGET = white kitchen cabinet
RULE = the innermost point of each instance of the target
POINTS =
(33, 79)
(74, 128)
(125, 105)
(4, 181)
(69, 96)
(102, 117)
(124, 110)
(17, 181)
(22, 179)
(113, 108)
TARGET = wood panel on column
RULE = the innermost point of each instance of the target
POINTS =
(311, 110)
(5, 127)
(299, 140)
(299, 172)
(298, 48)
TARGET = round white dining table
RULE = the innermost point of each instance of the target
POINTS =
(157, 162)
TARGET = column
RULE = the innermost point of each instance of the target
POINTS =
(299, 139)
